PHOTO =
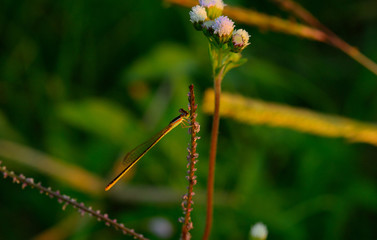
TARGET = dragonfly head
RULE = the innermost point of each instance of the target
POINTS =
(183, 112)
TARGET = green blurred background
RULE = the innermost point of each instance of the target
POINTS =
(86, 81)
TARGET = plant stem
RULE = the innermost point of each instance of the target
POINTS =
(66, 200)
(212, 154)
(192, 159)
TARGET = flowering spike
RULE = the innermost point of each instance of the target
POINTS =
(30, 180)
(82, 213)
(65, 206)
(90, 211)
(82, 209)
(15, 180)
(66, 197)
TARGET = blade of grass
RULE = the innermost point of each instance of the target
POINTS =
(70, 174)
(257, 112)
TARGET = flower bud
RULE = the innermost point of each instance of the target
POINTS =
(240, 39)
(207, 27)
(214, 7)
(223, 29)
(198, 15)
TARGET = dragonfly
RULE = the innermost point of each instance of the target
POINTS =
(138, 152)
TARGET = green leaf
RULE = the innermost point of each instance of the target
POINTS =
(167, 59)
(97, 116)
(232, 65)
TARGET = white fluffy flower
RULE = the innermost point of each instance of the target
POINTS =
(259, 231)
(198, 14)
(212, 3)
(241, 38)
(223, 26)
(162, 227)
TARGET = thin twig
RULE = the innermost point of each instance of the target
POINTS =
(331, 37)
(82, 209)
(192, 160)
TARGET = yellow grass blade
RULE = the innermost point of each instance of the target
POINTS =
(257, 112)
(264, 21)
(70, 174)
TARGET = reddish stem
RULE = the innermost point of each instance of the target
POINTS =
(192, 159)
(212, 154)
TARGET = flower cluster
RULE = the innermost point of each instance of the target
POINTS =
(207, 17)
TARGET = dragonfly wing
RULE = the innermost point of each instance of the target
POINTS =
(138, 152)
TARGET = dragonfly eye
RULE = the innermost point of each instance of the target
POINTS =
(183, 112)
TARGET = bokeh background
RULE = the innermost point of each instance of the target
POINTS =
(83, 82)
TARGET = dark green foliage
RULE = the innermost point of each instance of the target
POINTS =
(86, 81)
